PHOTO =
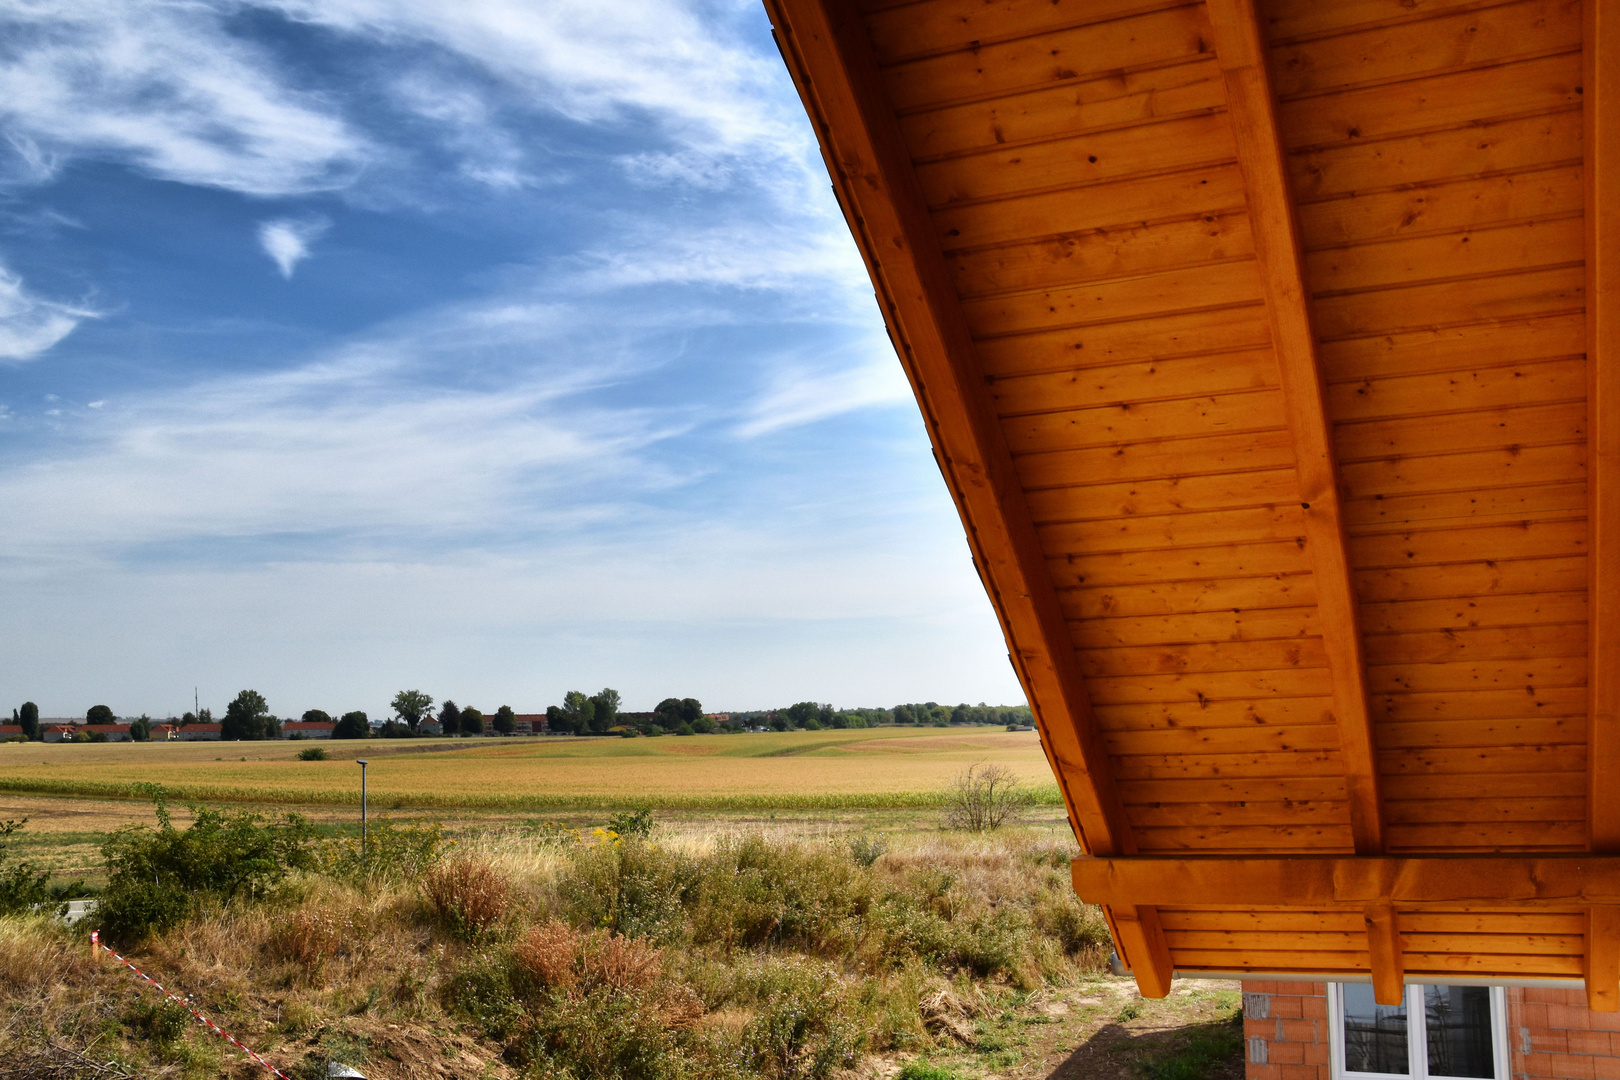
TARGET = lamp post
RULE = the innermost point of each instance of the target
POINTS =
(362, 762)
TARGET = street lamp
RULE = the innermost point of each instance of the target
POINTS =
(362, 762)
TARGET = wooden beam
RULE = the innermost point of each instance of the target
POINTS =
(1384, 952)
(829, 55)
(1324, 882)
(1241, 53)
(1603, 958)
(1143, 948)
(1601, 102)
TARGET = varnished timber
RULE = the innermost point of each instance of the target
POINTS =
(1240, 50)
(1325, 882)
(829, 54)
(1384, 953)
(1603, 958)
(1602, 114)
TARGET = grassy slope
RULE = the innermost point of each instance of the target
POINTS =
(874, 768)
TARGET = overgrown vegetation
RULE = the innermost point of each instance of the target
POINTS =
(22, 887)
(632, 952)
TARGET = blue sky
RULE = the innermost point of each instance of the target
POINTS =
(483, 346)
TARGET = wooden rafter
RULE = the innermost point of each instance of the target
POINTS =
(1601, 102)
(1326, 882)
(1603, 958)
(1240, 50)
(1384, 954)
(829, 56)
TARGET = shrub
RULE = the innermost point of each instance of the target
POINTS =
(22, 888)
(468, 896)
(629, 887)
(481, 987)
(867, 849)
(984, 797)
(636, 823)
(155, 878)
(921, 1070)
(391, 852)
(803, 1028)
(161, 1021)
(312, 753)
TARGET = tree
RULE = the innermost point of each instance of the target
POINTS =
(472, 721)
(450, 717)
(606, 709)
(410, 706)
(352, 725)
(581, 712)
(245, 717)
(691, 709)
(140, 729)
(703, 726)
(805, 713)
(100, 714)
(28, 717)
(316, 716)
(557, 720)
(505, 720)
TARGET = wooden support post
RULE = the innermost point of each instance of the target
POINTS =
(1384, 953)
(1143, 948)
(1603, 958)
(1601, 102)
(1240, 50)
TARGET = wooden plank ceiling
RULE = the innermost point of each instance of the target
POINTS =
(1257, 342)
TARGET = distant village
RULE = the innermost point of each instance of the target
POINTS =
(248, 718)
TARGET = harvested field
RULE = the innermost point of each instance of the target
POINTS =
(830, 770)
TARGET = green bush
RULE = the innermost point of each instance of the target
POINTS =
(921, 1070)
(155, 878)
(803, 1028)
(629, 887)
(637, 822)
(311, 753)
(159, 1020)
(391, 852)
(22, 888)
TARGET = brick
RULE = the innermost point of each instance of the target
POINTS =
(1588, 1042)
(1531, 1014)
(1549, 1041)
(1304, 1031)
(1255, 1028)
(1573, 1067)
(1286, 1053)
(1258, 987)
(1315, 1008)
(1318, 1053)
(1575, 1017)
(1602, 1021)
(1538, 1064)
(1287, 1006)
(1301, 1072)
(1606, 1068)
(1544, 995)
(1263, 1072)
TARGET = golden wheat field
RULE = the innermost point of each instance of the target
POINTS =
(879, 767)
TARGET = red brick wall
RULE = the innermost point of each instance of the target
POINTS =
(1552, 1034)
(1285, 1031)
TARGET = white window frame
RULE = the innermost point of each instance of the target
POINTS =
(1417, 1042)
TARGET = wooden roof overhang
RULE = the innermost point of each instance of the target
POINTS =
(1265, 347)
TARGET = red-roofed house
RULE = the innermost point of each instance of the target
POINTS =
(200, 733)
(313, 729)
(59, 732)
(114, 732)
(8, 730)
(165, 732)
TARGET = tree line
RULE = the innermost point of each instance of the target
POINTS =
(248, 717)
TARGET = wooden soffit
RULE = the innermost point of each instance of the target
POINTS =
(1264, 348)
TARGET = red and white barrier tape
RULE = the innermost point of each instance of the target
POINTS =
(95, 944)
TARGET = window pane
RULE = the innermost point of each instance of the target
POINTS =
(1374, 1034)
(1459, 1023)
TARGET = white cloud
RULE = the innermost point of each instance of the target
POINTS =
(287, 240)
(30, 324)
(167, 87)
(801, 396)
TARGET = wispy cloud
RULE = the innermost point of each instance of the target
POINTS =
(287, 240)
(799, 395)
(166, 87)
(30, 324)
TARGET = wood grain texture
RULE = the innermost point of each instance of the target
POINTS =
(1241, 52)
(1602, 128)
(829, 55)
